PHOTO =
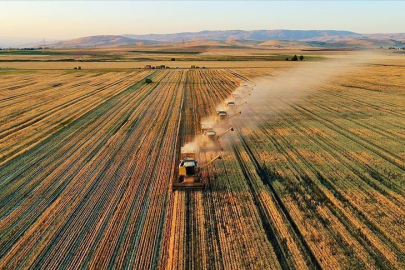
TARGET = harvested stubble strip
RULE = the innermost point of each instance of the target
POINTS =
(257, 249)
(343, 208)
(146, 177)
(164, 158)
(20, 168)
(52, 121)
(396, 197)
(15, 86)
(9, 176)
(200, 226)
(316, 250)
(389, 209)
(348, 125)
(232, 252)
(42, 97)
(277, 218)
(296, 257)
(55, 99)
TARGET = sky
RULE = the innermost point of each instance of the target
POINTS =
(72, 19)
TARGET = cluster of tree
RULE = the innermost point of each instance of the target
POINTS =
(295, 58)
(25, 49)
(395, 48)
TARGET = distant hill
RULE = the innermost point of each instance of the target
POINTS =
(260, 35)
(321, 38)
(6, 42)
(395, 36)
(100, 41)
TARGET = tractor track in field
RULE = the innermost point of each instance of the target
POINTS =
(358, 212)
(312, 263)
(313, 189)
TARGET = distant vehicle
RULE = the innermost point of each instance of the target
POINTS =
(148, 80)
(223, 115)
(210, 140)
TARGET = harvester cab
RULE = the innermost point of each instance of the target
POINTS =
(190, 171)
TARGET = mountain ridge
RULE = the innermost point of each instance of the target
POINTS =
(322, 36)
(261, 35)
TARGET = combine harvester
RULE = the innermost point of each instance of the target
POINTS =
(190, 175)
(235, 96)
(230, 104)
(222, 116)
(234, 106)
(206, 127)
(210, 140)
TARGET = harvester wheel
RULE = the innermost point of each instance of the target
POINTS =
(181, 178)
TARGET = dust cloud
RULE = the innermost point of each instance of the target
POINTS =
(272, 95)
(269, 96)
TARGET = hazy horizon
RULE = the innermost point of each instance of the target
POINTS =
(68, 20)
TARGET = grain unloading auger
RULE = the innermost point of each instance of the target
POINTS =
(190, 172)
(210, 140)
(233, 115)
(241, 104)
